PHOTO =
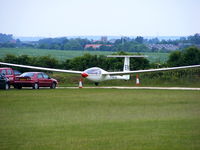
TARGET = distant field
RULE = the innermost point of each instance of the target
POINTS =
(67, 54)
(58, 54)
(99, 119)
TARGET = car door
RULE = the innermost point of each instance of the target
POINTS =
(41, 80)
(10, 75)
(47, 80)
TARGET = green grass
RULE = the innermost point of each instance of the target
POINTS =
(99, 119)
(58, 54)
(67, 54)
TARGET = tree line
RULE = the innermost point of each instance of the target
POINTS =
(7, 40)
(138, 44)
(77, 63)
(189, 56)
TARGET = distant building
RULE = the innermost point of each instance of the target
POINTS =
(104, 38)
(162, 46)
(13, 41)
(112, 40)
(95, 46)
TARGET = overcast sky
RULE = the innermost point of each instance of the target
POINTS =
(100, 17)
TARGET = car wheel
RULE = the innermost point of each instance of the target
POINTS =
(96, 83)
(35, 86)
(7, 86)
(53, 86)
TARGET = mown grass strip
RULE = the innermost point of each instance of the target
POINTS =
(99, 119)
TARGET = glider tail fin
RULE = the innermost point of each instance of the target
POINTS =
(126, 67)
(126, 63)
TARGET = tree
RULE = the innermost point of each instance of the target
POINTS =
(153, 41)
(194, 39)
(47, 61)
(6, 38)
(10, 58)
(139, 39)
(73, 44)
(189, 56)
(175, 59)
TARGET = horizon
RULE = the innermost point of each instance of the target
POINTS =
(131, 36)
(96, 37)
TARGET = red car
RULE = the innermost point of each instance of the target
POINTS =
(10, 74)
(35, 80)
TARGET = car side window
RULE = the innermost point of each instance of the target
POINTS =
(45, 76)
(3, 72)
(9, 72)
(40, 76)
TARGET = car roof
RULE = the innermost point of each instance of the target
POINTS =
(34, 72)
(5, 68)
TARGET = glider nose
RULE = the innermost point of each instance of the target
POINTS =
(84, 75)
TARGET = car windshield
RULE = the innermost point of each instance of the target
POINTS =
(2, 75)
(27, 74)
(16, 72)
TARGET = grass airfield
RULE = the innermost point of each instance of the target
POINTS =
(99, 119)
